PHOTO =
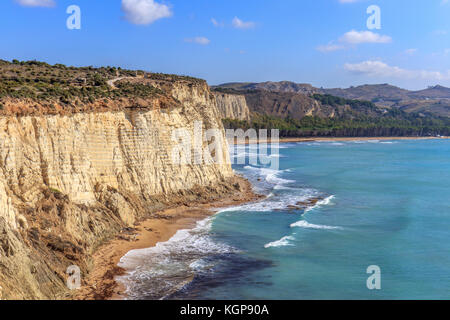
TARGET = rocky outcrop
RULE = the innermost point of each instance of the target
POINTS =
(70, 182)
(232, 106)
(283, 104)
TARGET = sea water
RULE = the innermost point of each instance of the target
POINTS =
(382, 203)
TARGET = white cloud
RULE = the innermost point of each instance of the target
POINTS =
(198, 40)
(353, 38)
(217, 23)
(381, 69)
(440, 32)
(36, 3)
(239, 24)
(443, 2)
(411, 51)
(330, 47)
(443, 53)
(357, 37)
(145, 11)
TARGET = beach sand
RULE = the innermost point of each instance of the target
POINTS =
(285, 140)
(101, 284)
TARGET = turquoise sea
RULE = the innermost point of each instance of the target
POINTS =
(383, 203)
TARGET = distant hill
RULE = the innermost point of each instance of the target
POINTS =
(436, 92)
(300, 110)
(435, 100)
(298, 105)
(374, 93)
(282, 86)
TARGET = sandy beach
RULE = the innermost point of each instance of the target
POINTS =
(285, 140)
(101, 284)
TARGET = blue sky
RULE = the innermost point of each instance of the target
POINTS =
(323, 42)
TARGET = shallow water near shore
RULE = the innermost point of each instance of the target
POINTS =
(381, 203)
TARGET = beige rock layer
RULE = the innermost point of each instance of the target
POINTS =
(232, 106)
(67, 183)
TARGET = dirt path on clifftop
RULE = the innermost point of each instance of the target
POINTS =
(112, 81)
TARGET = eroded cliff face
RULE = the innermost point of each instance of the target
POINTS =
(232, 106)
(68, 183)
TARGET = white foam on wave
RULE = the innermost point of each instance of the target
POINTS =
(269, 175)
(276, 155)
(314, 144)
(284, 146)
(321, 203)
(186, 241)
(325, 201)
(307, 225)
(283, 192)
(281, 187)
(255, 157)
(257, 146)
(169, 265)
(245, 154)
(326, 144)
(285, 241)
(269, 181)
(200, 265)
(276, 202)
(364, 141)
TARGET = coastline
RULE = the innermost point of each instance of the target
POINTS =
(101, 284)
(312, 139)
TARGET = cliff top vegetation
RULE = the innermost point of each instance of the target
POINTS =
(69, 86)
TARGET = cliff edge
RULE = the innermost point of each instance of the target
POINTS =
(73, 178)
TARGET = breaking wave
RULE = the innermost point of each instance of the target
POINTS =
(320, 203)
(165, 268)
(307, 225)
(285, 241)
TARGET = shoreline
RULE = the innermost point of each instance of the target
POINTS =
(101, 283)
(312, 139)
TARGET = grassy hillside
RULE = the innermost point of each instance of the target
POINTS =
(72, 86)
